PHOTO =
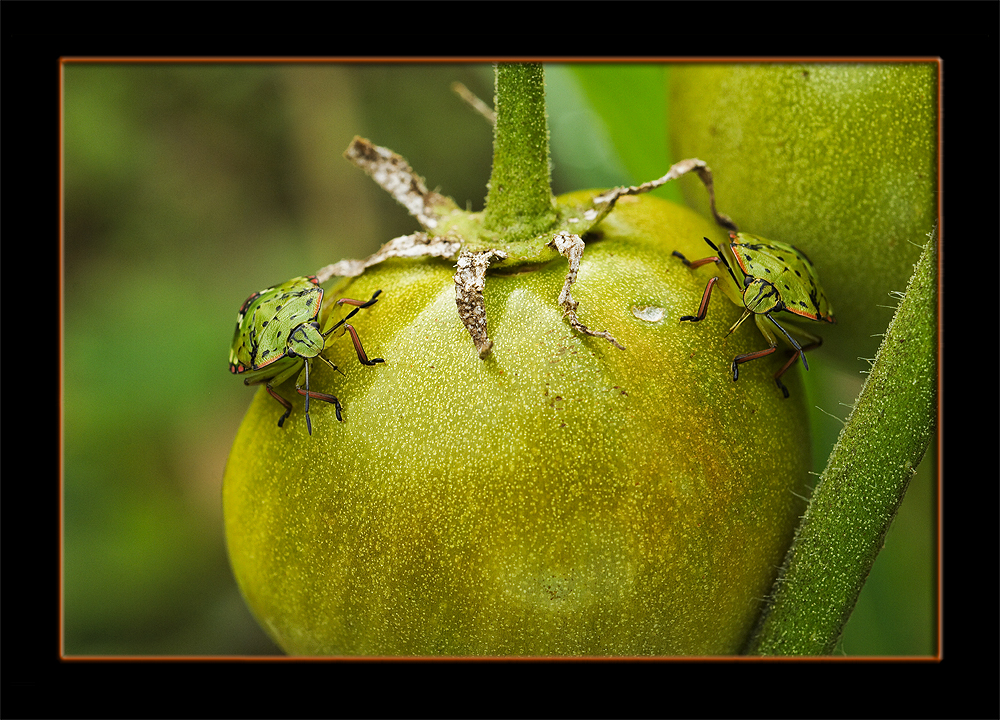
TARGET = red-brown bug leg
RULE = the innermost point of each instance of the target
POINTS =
(747, 357)
(359, 349)
(791, 361)
(703, 308)
(354, 335)
(777, 375)
(325, 398)
(360, 303)
(287, 405)
(695, 263)
(318, 396)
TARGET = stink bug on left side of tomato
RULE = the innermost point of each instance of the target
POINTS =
(773, 277)
(278, 334)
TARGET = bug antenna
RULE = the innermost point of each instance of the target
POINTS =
(330, 363)
(790, 339)
(308, 421)
(746, 314)
(711, 244)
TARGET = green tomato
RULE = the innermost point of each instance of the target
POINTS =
(839, 159)
(560, 497)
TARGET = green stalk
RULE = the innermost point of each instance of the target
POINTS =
(519, 204)
(864, 482)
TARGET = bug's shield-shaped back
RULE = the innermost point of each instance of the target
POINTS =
(789, 270)
(266, 319)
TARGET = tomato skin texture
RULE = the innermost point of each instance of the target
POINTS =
(838, 159)
(561, 497)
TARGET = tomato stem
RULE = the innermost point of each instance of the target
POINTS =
(519, 202)
(844, 528)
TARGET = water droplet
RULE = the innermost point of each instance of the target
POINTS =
(649, 313)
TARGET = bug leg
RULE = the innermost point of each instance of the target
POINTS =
(287, 405)
(695, 263)
(362, 356)
(703, 308)
(747, 357)
(359, 349)
(309, 425)
(781, 386)
(777, 375)
(325, 397)
(318, 396)
(360, 304)
(817, 341)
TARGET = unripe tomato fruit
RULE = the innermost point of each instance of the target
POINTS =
(839, 159)
(561, 497)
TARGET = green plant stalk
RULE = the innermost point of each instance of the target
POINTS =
(519, 203)
(863, 485)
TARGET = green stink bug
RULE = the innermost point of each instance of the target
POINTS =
(278, 335)
(774, 277)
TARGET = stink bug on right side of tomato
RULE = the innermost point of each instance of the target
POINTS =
(774, 277)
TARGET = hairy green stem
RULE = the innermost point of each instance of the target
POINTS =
(864, 482)
(519, 204)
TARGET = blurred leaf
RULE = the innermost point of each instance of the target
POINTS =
(631, 99)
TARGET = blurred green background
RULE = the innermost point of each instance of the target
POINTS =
(190, 185)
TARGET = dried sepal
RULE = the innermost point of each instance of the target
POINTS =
(470, 280)
(474, 102)
(605, 202)
(416, 245)
(571, 247)
(395, 176)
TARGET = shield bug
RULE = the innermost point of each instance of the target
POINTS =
(278, 334)
(772, 277)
